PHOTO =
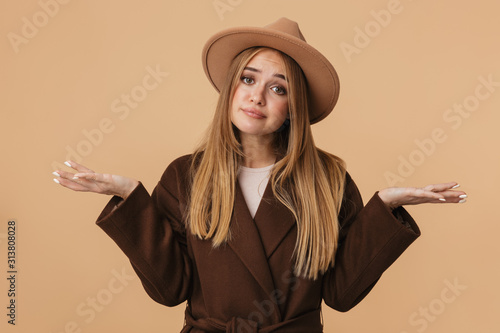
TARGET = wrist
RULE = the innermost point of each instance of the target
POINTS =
(391, 204)
(129, 189)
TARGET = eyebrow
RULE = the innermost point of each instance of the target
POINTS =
(251, 69)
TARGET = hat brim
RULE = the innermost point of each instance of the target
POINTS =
(322, 79)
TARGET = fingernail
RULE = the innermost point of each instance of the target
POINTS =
(67, 163)
(463, 196)
(75, 177)
(462, 201)
(57, 181)
(56, 174)
(442, 199)
(456, 186)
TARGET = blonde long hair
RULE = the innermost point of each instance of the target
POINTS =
(307, 180)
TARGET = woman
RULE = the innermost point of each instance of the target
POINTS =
(258, 226)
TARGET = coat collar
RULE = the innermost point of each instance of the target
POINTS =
(254, 240)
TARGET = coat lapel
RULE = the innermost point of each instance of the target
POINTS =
(247, 244)
(255, 241)
(274, 221)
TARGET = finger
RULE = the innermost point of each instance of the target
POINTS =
(428, 194)
(88, 176)
(70, 177)
(63, 174)
(454, 196)
(78, 167)
(440, 187)
(71, 184)
(438, 197)
(449, 196)
(450, 201)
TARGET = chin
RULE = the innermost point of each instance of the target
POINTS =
(251, 130)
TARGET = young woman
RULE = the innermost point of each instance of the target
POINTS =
(258, 225)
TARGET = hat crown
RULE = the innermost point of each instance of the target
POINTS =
(287, 26)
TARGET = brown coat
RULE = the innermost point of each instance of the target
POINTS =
(247, 285)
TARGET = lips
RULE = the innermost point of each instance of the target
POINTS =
(253, 113)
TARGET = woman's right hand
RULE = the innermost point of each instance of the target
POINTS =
(86, 180)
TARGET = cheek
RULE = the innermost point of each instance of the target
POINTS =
(239, 91)
(283, 107)
(237, 97)
(234, 100)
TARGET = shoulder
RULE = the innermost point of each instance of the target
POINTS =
(351, 205)
(172, 191)
(177, 174)
(351, 199)
(179, 163)
(350, 187)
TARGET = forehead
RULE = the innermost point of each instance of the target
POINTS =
(267, 58)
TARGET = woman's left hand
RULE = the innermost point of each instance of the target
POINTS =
(436, 193)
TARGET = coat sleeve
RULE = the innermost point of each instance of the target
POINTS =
(371, 239)
(150, 231)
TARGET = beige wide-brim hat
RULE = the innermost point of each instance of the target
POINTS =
(283, 35)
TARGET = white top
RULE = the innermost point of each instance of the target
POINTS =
(253, 182)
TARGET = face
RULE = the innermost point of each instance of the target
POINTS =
(260, 102)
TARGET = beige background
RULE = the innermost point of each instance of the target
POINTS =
(66, 76)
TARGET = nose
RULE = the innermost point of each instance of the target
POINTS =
(257, 95)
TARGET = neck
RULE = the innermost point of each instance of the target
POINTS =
(258, 150)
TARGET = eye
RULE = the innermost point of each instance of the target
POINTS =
(247, 80)
(279, 90)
